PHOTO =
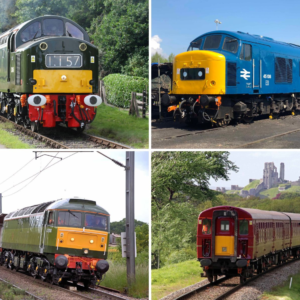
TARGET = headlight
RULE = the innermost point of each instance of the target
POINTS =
(37, 100)
(200, 73)
(86, 251)
(92, 100)
(184, 74)
(82, 46)
(43, 46)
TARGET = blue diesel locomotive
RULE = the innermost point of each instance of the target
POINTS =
(227, 76)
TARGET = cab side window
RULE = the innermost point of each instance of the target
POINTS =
(243, 227)
(51, 218)
(246, 53)
(206, 227)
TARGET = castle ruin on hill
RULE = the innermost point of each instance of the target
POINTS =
(271, 178)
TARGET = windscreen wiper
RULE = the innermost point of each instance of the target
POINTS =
(72, 214)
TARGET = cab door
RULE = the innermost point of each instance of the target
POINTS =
(257, 69)
(224, 236)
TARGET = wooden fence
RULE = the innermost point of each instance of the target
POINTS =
(134, 103)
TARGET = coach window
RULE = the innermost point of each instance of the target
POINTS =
(206, 227)
(243, 227)
(246, 53)
(230, 44)
(212, 42)
(224, 225)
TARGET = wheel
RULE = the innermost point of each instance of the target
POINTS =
(248, 120)
(215, 278)
(87, 283)
(210, 277)
(80, 129)
(243, 279)
(34, 126)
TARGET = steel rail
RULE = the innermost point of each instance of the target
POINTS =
(233, 290)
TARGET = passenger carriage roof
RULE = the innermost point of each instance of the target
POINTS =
(255, 214)
(287, 48)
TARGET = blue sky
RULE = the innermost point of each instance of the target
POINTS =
(177, 22)
(251, 164)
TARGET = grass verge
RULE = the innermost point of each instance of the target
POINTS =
(8, 292)
(116, 278)
(10, 141)
(117, 125)
(174, 277)
(283, 292)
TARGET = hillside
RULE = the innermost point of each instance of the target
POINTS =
(252, 185)
(232, 192)
(271, 193)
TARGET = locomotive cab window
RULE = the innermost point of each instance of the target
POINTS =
(195, 45)
(32, 31)
(212, 42)
(206, 227)
(243, 227)
(224, 225)
(246, 52)
(230, 45)
(53, 27)
(51, 218)
(96, 221)
(69, 218)
(73, 31)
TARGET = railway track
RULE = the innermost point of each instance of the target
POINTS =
(224, 287)
(71, 138)
(91, 293)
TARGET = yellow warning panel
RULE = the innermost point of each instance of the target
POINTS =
(224, 245)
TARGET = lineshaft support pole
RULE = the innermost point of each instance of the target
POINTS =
(130, 243)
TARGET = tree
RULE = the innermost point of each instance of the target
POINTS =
(176, 175)
(158, 58)
(171, 58)
(7, 18)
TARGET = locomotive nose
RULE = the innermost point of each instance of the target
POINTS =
(102, 266)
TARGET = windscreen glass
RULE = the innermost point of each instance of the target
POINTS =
(96, 221)
(73, 31)
(32, 31)
(69, 218)
(212, 42)
(53, 27)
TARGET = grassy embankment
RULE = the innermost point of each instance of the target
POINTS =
(283, 292)
(174, 277)
(8, 292)
(251, 185)
(115, 124)
(10, 141)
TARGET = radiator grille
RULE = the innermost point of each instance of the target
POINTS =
(283, 70)
(231, 74)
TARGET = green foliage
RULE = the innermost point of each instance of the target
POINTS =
(136, 65)
(142, 238)
(120, 226)
(159, 58)
(7, 18)
(181, 256)
(119, 87)
(121, 32)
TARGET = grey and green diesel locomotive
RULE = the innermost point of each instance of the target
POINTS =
(48, 74)
(57, 241)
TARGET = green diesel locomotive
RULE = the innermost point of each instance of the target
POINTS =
(48, 74)
(57, 241)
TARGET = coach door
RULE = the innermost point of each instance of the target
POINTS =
(224, 236)
(257, 69)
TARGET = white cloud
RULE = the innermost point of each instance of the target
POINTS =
(155, 46)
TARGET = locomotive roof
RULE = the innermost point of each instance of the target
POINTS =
(20, 26)
(70, 204)
(257, 39)
(255, 214)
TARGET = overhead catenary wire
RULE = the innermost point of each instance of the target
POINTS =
(35, 175)
(17, 171)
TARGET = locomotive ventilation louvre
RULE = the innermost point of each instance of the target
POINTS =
(18, 69)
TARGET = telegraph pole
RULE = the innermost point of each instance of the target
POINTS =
(130, 242)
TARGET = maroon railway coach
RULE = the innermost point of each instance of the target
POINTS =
(236, 241)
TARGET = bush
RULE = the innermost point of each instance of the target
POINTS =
(181, 255)
(119, 87)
